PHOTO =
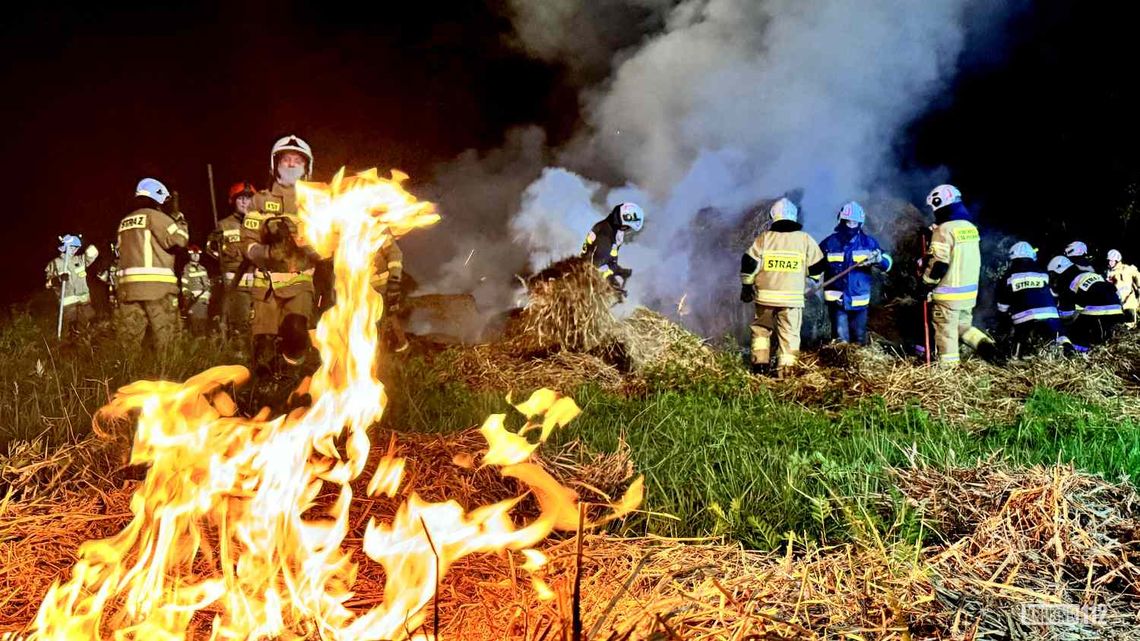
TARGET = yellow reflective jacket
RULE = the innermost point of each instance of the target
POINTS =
(146, 264)
(781, 261)
(290, 268)
(387, 266)
(1126, 279)
(955, 243)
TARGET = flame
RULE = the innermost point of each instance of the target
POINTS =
(227, 522)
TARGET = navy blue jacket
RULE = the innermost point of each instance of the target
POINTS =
(1024, 293)
(841, 250)
(1085, 293)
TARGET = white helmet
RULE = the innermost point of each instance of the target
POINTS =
(1022, 249)
(784, 209)
(152, 189)
(943, 195)
(1059, 264)
(853, 211)
(1076, 248)
(1114, 254)
(291, 143)
(631, 215)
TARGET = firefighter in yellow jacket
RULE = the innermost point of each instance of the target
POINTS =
(147, 285)
(387, 276)
(1126, 279)
(282, 286)
(951, 269)
(225, 246)
(773, 273)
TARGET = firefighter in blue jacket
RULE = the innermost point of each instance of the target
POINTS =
(1024, 294)
(848, 296)
(1088, 303)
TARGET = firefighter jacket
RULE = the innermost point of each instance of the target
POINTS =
(602, 246)
(387, 267)
(955, 259)
(778, 262)
(1082, 293)
(75, 266)
(195, 284)
(1024, 293)
(273, 222)
(146, 264)
(1126, 279)
(225, 245)
(844, 248)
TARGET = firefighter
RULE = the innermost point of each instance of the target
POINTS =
(605, 240)
(848, 296)
(387, 275)
(772, 274)
(225, 246)
(1078, 253)
(951, 270)
(1126, 279)
(148, 286)
(196, 292)
(1024, 295)
(282, 287)
(1087, 300)
(67, 274)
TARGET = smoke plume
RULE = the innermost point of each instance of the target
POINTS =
(708, 107)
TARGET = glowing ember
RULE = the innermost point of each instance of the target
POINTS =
(225, 524)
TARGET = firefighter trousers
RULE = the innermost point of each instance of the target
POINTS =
(785, 323)
(160, 315)
(952, 326)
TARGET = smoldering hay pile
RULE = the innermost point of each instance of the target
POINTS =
(1043, 553)
(568, 334)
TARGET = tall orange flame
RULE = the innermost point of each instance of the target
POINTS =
(226, 521)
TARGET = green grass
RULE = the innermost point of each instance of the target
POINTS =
(721, 459)
(760, 470)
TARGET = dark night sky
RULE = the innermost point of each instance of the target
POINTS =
(1043, 135)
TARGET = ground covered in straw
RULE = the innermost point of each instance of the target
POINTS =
(1007, 550)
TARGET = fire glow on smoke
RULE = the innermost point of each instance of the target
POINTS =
(226, 521)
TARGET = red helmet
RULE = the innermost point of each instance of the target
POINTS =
(244, 188)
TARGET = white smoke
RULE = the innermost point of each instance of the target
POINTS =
(732, 102)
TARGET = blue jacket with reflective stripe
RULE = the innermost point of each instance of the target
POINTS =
(841, 250)
(1085, 293)
(1024, 293)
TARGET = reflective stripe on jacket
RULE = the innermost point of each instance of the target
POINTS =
(195, 282)
(1024, 293)
(388, 266)
(290, 270)
(76, 290)
(843, 249)
(955, 243)
(146, 264)
(1086, 294)
(782, 260)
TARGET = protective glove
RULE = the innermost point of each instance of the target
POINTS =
(92, 252)
(872, 261)
(747, 294)
(64, 277)
(623, 272)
